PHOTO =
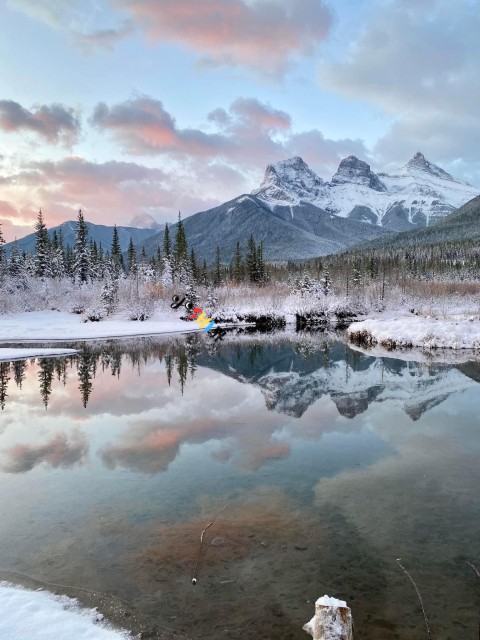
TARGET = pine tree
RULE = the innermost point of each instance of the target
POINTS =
(2, 248)
(261, 268)
(238, 264)
(15, 263)
(204, 277)
(81, 254)
(217, 275)
(116, 253)
(326, 282)
(193, 266)
(167, 245)
(181, 265)
(132, 257)
(251, 261)
(42, 248)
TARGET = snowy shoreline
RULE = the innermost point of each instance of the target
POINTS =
(41, 614)
(59, 326)
(11, 354)
(409, 332)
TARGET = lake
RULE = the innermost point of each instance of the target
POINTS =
(317, 464)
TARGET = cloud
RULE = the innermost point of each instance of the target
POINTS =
(143, 127)
(263, 35)
(60, 451)
(419, 63)
(116, 191)
(250, 134)
(53, 122)
(75, 17)
(203, 166)
(105, 39)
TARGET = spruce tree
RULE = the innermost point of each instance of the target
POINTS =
(193, 266)
(167, 246)
(204, 277)
(2, 247)
(41, 247)
(180, 254)
(15, 263)
(251, 261)
(238, 265)
(81, 253)
(132, 257)
(116, 253)
(217, 275)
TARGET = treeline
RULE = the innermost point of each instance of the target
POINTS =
(86, 261)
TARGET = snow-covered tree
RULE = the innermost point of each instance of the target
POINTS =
(81, 253)
(42, 247)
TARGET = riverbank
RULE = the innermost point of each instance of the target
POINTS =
(457, 332)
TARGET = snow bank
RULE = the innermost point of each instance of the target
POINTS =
(20, 354)
(43, 326)
(428, 333)
(39, 615)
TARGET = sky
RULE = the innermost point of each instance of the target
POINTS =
(133, 107)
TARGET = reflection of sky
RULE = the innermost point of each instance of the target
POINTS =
(80, 483)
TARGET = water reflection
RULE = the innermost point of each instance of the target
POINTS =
(333, 463)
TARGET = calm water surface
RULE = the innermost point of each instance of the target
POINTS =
(332, 463)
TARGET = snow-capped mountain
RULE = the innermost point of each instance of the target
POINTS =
(144, 221)
(416, 195)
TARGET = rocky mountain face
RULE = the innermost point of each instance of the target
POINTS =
(416, 195)
(296, 231)
(145, 221)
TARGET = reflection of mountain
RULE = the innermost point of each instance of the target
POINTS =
(291, 382)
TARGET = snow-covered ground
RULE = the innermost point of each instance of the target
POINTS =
(428, 333)
(8, 354)
(42, 326)
(39, 615)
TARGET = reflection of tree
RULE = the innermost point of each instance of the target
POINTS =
(169, 367)
(255, 351)
(4, 378)
(182, 368)
(19, 369)
(116, 364)
(45, 376)
(193, 349)
(86, 373)
(61, 370)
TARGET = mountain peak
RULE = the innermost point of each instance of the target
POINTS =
(353, 170)
(144, 221)
(289, 181)
(420, 163)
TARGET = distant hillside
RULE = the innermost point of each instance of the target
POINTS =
(292, 232)
(100, 233)
(460, 226)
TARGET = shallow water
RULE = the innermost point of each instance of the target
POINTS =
(331, 463)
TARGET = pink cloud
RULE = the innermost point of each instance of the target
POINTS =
(143, 127)
(263, 34)
(60, 451)
(54, 122)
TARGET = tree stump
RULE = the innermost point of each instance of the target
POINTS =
(332, 620)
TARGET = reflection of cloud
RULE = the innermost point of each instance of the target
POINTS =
(60, 451)
(263, 35)
(53, 122)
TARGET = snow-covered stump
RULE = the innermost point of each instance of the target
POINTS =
(332, 620)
